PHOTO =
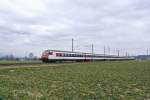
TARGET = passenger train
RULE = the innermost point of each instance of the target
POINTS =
(62, 56)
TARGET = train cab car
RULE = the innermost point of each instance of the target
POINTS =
(45, 56)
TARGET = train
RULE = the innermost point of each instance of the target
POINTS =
(51, 56)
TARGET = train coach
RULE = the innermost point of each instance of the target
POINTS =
(61, 56)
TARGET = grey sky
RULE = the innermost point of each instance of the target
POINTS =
(36, 25)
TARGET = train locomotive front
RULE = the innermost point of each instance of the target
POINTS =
(45, 56)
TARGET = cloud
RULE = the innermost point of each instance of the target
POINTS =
(36, 25)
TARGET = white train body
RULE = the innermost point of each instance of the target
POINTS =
(57, 55)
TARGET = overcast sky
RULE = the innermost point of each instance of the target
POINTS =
(36, 25)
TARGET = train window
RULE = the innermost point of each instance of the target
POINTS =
(58, 54)
(50, 53)
(65, 55)
(74, 55)
(69, 55)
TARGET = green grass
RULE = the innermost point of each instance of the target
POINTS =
(86, 81)
(18, 62)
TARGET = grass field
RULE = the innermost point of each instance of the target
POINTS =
(85, 81)
(4, 62)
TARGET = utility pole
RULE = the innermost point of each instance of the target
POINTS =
(108, 50)
(72, 45)
(118, 52)
(92, 52)
(25, 55)
(104, 50)
(126, 54)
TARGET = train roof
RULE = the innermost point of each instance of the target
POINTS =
(71, 52)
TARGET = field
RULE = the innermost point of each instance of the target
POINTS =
(4, 62)
(126, 80)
